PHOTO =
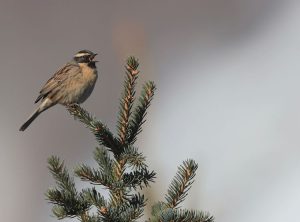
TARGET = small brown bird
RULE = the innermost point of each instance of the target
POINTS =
(72, 84)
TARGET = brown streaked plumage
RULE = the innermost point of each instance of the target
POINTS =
(71, 84)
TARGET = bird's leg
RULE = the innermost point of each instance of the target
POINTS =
(72, 105)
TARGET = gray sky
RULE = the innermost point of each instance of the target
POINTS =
(227, 74)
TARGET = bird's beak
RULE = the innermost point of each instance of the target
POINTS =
(93, 56)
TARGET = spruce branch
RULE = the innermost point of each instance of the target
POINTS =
(60, 174)
(180, 215)
(118, 195)
(122, 214)
(69, 203)
(136, 122)
(104, 161)
(181, 183)
(94, 176)
(95, 198)
(133, 158)
(138, 178)
(168, 211)
(129, 210)
(127, 99)
(100, 130)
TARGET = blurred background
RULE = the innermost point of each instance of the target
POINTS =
(227, 73)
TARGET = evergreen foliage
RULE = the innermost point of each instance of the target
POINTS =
(121, 169)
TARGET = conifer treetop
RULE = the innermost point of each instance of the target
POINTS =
(121, 168)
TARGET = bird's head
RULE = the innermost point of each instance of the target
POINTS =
(85, 56)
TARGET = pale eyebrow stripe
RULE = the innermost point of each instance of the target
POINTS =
(81, 54)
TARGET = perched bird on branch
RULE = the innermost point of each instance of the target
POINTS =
(72, 84)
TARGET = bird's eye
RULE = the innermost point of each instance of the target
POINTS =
(82, 58)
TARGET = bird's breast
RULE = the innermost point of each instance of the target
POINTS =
(79, 88)
(89, 75)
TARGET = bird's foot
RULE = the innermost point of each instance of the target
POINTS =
(72, 105)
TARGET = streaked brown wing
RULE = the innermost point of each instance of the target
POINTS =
(58, 78)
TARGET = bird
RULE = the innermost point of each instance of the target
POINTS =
(72, 84)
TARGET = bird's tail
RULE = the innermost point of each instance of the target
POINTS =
(46, 104)
(30, 119)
